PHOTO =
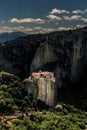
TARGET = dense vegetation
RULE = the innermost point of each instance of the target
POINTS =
(13, 97)
(13, 94)
(69, 118)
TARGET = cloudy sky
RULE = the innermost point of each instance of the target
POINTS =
(40, 16)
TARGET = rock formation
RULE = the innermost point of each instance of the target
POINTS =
(64, 53)
(16, 55)
(43, 55)
(45, 88)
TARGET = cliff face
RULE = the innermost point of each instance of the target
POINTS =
(47, 91)
(76, 63)
(43, 55)
(16, 56)
(65, 56)
(64, 53)
(43, 87)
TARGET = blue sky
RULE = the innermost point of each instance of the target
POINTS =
(40, 16)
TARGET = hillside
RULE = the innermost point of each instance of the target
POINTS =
(13, 94)
(20, 111)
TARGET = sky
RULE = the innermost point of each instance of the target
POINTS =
(42, 16)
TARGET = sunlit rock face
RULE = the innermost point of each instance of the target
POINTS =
(46, 87)
(43, 55)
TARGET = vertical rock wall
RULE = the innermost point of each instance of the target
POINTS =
(43, 55)
(76, 59)
(46, 87)
(47, 91)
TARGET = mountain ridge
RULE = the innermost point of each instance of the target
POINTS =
(4, 37)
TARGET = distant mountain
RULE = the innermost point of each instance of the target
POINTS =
(10, 36)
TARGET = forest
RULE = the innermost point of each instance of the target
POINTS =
(19, 111)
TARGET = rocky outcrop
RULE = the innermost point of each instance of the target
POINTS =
(45, 88)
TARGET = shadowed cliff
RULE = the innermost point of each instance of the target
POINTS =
(16, 55)
(64, 53)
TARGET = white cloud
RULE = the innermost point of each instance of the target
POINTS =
(43, 30)
(47, 30)
(30, 30)
(14, 29)
(84, 19)
(59, 11)
(78, 11)
(80, 26)
(66, 18)
(27, 20)
(63, 28)
(85, 10)
(27, 30)
(74, 17)
(54, 17)
(35, 30)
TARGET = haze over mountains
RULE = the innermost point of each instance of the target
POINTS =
(10, 36)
